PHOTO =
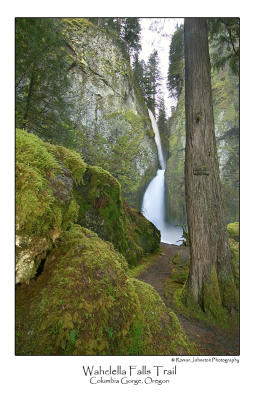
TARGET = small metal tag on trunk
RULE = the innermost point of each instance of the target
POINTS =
(201, 170)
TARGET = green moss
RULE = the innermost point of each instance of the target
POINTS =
(69, 159)
(211, 294)
(52, 191)
(44, 202)
(34, 164)
(234, 248)
(142, 265)
(162, 333)
(103, 210)
(233, 230)
(77, 24)
(180, 274)
(101, 207)
(83, 303)
(83, 288)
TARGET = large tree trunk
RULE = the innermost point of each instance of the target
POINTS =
(210, 284)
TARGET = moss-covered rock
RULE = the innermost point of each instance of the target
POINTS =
(84, 303)
(54, 188)
(103, 210)
(162, 333)
(45, 175)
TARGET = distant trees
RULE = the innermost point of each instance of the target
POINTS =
(41, 79)
(153, 79)
(210, 284)
(131, 31)
(127, 29)
(162, 118)
(148, 78)
(175, 76)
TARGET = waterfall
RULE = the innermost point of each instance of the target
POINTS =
(154, 203)
(157, 140)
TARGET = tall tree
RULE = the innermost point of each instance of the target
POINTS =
(175, 76)
(210, 284)
(131, 34)
(162, 126)
(153, 81)
(162, 119)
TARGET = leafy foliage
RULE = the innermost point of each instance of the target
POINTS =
(224, 40)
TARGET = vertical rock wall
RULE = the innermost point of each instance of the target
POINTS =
(113, 125)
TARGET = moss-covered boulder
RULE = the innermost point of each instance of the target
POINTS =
(45, 206)
(54, 187)
(80, 300)
(83, 303)
(103, 210)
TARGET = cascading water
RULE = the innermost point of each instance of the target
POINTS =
(154, 206)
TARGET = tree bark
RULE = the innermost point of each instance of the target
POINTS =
(210, 283)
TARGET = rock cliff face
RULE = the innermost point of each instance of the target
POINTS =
(113, 123)
(174, 175)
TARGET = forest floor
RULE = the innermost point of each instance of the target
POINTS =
(209, 340)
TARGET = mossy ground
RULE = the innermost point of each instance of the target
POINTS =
(83, 303)
(142, 265)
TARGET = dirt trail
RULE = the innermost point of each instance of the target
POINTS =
(209, 341)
